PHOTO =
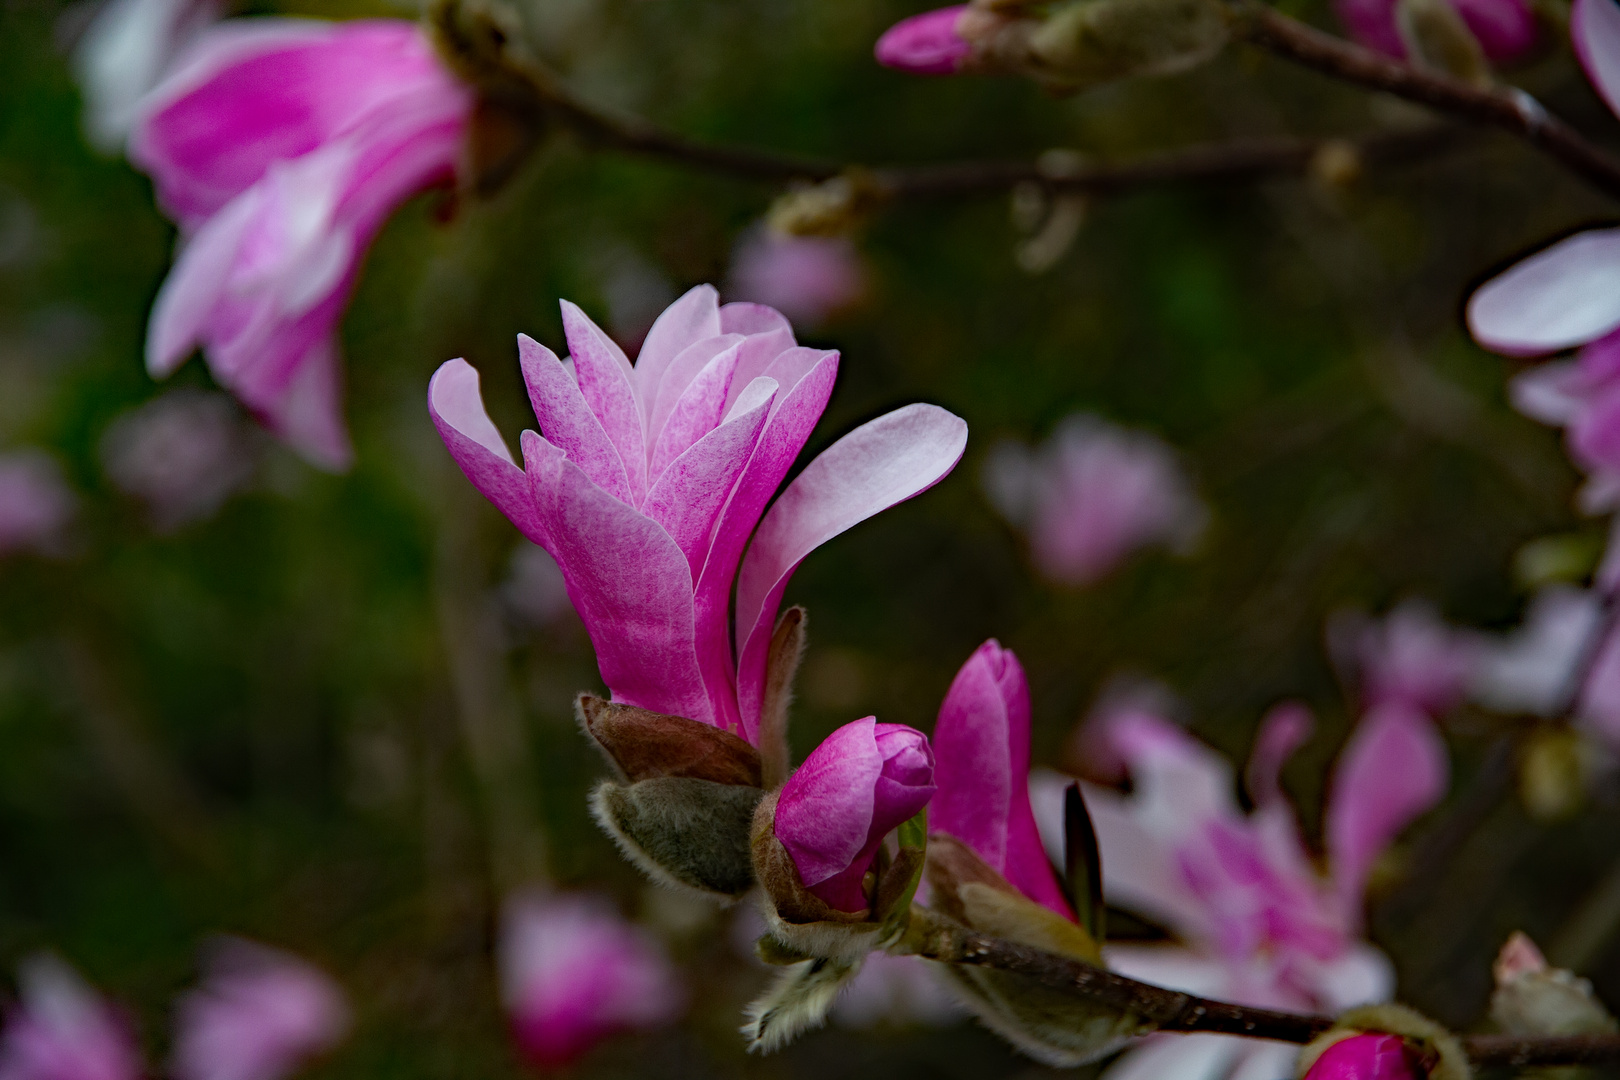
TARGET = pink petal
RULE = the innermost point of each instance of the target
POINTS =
(925, 44)
(760, 355)
(1392, 770)
(605, 380)
(879, 464)
(189, 295)
(1176, 1057)
(825, 810)
(1594, 28)
(690, 494)
(309, 414)
(693, 360)
(746, 318)
(689, 320)
(1566, 295)
(629, 582)
(567, 421)
(696, 412)
(458, 412)
(1552, 393)
(1284, 730)
(1505, 29)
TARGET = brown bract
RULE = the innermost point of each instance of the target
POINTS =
(644, 745)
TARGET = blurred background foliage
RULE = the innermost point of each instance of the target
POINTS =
(287, 721)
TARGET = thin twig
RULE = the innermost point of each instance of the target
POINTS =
(1507, 108)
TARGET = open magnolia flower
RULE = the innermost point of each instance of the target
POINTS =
(280, 147)
(1257, 923)
(647, 482)
(1568, 296)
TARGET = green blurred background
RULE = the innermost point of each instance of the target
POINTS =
(293, 721)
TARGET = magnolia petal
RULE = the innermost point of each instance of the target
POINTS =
(1176, 1057)
(605, 380)
(879, 464)
(1594, 28)
(759, 355)
(1566, 295)
(567, 421)
(195, 284)
(1552, 393)
(826, 807)
(692, 318)
(309, 415)
(1392, 770)
(746, 318)
(1261, 1060)
(696, 413)
(629, 582)
(1170, 966)
(458, 412)
(1284, 730)
(693, 360)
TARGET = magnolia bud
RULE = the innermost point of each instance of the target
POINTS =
(833, 207)
(1355, 1048)
(1436, 37)
(1368, 1055)
(1096, 41)
(1532, 998)
(925, 44)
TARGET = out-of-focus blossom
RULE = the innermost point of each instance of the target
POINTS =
(1505, 29)
(649, 480)
(806, 278)
(1370, 1055)
(535, 590)
(982, 745)
(259, 1014)
(1568, 295)
(1092, 495)
(1258, 924)
(859, 785)
(36, 505)
(925, 44)
(1411, 657)
(1533, 669)
(125, 52)
(574, 972)
(1534, 998)
(896, 990)
(61, 1029)
(182, 454)
(280, 147)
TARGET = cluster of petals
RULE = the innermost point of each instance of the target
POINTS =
(807, 278)
(1568, 296)
(646, 483)
(1092, 495)
(36, 504)
(124, 53)
(574, 972)
(1255, 921)
(862, 782)
(1505, 29)
(280, 147)
(181, 454)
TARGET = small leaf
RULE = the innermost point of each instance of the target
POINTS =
(1082, 863)
(796, 1002)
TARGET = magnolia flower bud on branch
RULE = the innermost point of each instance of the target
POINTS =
(1424, 1049)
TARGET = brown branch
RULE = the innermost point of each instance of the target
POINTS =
(1507, 108)
(935, 937)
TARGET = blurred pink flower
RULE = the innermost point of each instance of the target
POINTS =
(1371, 1055)
(1257, 923)
(865, 780)
(925, 44)
(125, 52)
(1092, 495)
(1505, 29)
(806, 278)
(182, 454)
(649, 481)
(280, 146)
(1411, 657)
(36, 505)
(573, 972)
(259, 1014)
(61, 1029)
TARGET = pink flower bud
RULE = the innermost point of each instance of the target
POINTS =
(1505, 29)
(925, 44)
(866, 779)
(1372, 1055)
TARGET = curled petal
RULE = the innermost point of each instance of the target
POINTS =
(1594, 27)
(1567, 295)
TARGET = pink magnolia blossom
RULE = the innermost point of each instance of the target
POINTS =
(864, 781)
(1371, 1055)
(63, 1030)
(182, 454)
(925, 44)
(982, 744)
(806, 278)
(280, 146)
(259, 1014)
(1505, 29)
(573, 973)
(1411, 658)
(36, 505)
(1092, 495)
(124, 54)
(1257, 923)
(648, 482)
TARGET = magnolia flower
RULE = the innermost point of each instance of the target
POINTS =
(125, 52)
(259, 1014)
(61, 1029)
(1370, 1055)
(1505, 29)
(573, 973)
(1410, 658)
(182, 454)
(926, 44)
(1256, 922)
(1092, 495)
(859, 785)
(648, 483)
(806, 278)
(280, 147)
(36, 505)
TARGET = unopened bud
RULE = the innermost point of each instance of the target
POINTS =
(1533, 998)
(833, 207)
(1092, 42)
(925, 44)
(1358, 1047)
(1366, 1055)
(1436, 37)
